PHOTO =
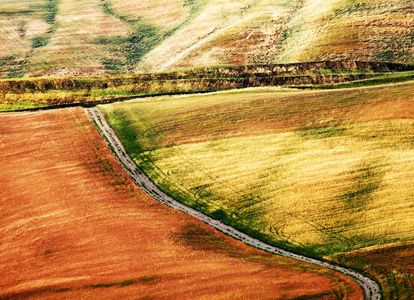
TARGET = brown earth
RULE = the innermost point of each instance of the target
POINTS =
(392, 264)
(73, 225)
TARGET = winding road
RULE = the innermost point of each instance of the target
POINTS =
(370, 288)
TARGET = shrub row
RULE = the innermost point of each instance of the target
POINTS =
(273, 74)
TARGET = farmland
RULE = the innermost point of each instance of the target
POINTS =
(392, 263)
(73, 225)
(290, 120)
(318, 172)
(61, 38)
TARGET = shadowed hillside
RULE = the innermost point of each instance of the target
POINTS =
(63, 38)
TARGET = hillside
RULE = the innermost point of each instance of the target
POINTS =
(325, 173)
(63, 38)
(74, 226)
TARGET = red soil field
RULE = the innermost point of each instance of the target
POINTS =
(392, 265)
(72, 225)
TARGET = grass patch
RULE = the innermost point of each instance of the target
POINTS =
(323, 131)
(133, 47)
(51, 8)
(365, 181)
(139, 42)
(39, 42)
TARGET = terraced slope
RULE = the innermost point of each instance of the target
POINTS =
(321, 173)
(63, 38)
(73, 226)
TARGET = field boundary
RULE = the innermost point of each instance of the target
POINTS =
(370, 288)
(30, 94)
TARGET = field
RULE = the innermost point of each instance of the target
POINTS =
(106, 37)
(393, 264)
(288, 31)
(317, 172)
(290, 120)
(74, 226)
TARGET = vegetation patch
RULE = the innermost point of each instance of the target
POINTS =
(49, 92)
(322, 131)
(365, 181)
(51, 11)
(140, 41)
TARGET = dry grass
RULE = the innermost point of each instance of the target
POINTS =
(119, 36)
(365, 29)
(322, 194)
(71, 49)
(159, 13)
(319, 172)
(213, 36)
(20, 22)
(290, 31)
(74, 226)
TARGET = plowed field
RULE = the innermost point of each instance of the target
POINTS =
(72, 225)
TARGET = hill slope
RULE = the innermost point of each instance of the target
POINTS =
(61, 37)
(321, 172)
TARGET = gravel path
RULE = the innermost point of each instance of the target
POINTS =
(371, 288)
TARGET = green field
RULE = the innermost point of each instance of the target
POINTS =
(316, 172)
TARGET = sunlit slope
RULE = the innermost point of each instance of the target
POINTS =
(74, 226)
(290, 31)
(63, 38)
(379, 30)
(320, 172)
(327, 173)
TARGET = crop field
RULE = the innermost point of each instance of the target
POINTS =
(392, 264)
(379, 30)
(317, 172)
(291, 121)
(106, 37)
(288, 31)
(63, 38)
(74, 226)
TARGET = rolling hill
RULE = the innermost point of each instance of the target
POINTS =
(314, 152)
(63, 38)
(327, 173)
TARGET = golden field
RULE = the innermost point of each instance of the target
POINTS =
(317, 172)
(101, 37)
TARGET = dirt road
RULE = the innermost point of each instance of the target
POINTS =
(370, 287)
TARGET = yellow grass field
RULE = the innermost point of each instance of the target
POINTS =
(318, 172)
(63, 38)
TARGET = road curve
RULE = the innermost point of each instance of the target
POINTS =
(370, 288)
